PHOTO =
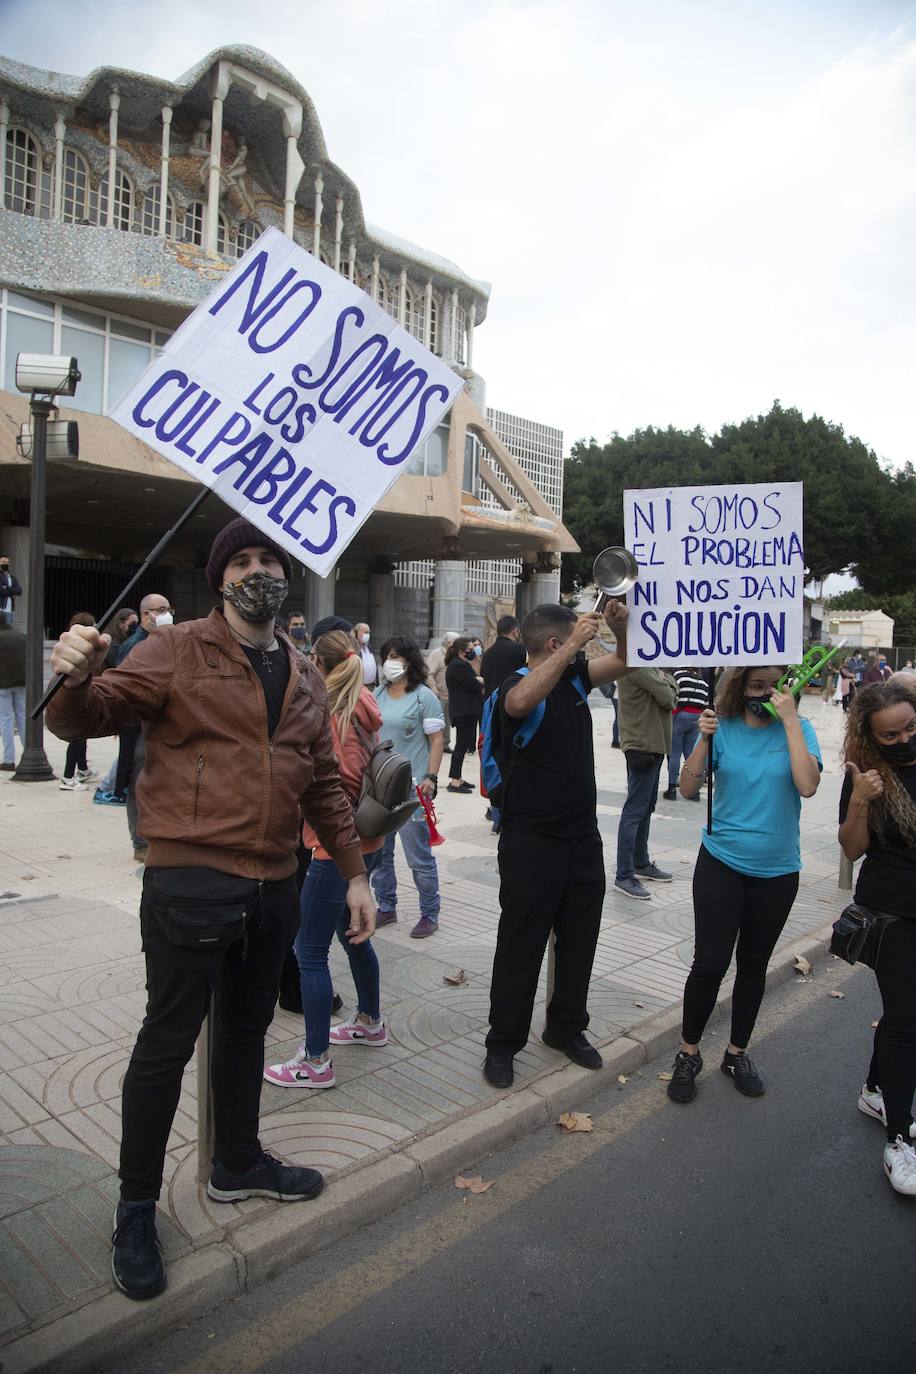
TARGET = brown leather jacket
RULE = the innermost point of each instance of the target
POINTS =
(214, 790)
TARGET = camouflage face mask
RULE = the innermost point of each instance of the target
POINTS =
(257, 597)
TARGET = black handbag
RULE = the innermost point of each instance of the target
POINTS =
(201, 908)
(858, 933)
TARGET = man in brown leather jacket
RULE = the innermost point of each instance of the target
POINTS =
(237, 738)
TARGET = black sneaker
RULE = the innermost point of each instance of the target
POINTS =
(670, 794)
(136, 1255)
(577, 1048)
(267, 1177)
(740, 1069)
(498, 1070)
(684, 1071)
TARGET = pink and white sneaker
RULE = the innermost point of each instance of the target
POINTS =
(356, 1032)
(299, 1072)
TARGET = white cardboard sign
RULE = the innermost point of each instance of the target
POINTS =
(721, 574)
(293, 396)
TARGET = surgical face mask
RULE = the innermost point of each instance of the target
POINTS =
(393, 669)
(904, 751)
(164, 618)
(364, 639)
(757, 706)
(257, 597)
(297, 632)
(477, 651)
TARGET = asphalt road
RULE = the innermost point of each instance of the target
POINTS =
(729, 1235)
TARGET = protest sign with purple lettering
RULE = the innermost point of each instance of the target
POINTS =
(721, 574)
(293, 396)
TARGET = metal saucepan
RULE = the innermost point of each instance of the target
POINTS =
(614, 572)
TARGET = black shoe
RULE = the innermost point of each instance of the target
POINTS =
(683, 1085)
(497, 1069)
(577, 1048)
(267, 1177)
(740, 1069)
(670, 794)
(488, 814)
(136, 1255)
(336, 1004)
(615, 744)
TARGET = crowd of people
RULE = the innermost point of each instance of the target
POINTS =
(239, 881)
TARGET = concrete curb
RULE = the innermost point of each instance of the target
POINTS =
(253, 1252)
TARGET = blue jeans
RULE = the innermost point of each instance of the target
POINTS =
(12, 710)
(418, 852)
(323, 911)
(685, 730)
(633, 830)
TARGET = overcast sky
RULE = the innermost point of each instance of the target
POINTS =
(686, 207)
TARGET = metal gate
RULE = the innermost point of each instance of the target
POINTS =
(91, 584)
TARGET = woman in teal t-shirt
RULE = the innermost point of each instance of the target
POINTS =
(746, 876)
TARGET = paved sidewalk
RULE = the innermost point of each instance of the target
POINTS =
(72, 995)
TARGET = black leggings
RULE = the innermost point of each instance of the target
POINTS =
(730, 906)
(465, 743)
(76, 758)
(893, 1063)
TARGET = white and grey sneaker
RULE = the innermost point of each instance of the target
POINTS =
(872, 1104)
(900, 1167)
(72, 785)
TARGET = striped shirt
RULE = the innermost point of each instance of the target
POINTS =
(692, 692)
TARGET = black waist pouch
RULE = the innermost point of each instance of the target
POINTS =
(201, 908)
(858, 933)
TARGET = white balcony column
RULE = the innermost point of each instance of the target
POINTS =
(164, 171)
(60, 133)
(453, 330)
(352, 261)
(338, 231)
(319, 205)
(319, 595)
(428, 315)
(449, 590)
(4, 126)
(211, 227)
(373, 287)
(381, 606)
(114, 101)
(402, 300)
(295, 167)
(472, 320)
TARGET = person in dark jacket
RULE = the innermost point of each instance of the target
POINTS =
(237, 739)
(505, 655)
(12, 692)
(465, 704)
(9, 588)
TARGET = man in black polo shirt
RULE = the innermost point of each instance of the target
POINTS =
(551, 864)
(504, 656)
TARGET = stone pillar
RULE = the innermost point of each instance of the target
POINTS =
(373, 288)
(454, 341)
(295, 167)
(164, 172)
(338, 231)
(381, 606)
(4, 126)
(319, 596)
(402, 299)
(114, 101)
(472, 320)
(319, 203)
(449, 591)
(14, 542)
(546, 587)
(60, 133)
(213, 175)
(428, 315)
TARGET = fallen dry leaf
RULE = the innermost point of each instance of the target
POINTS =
(456, 979)
(874, 1025)
(26, 877)
(576, 1121)
(475, 1184)
(799, 979)
(802, 965)
(639, 1004)
(838, 995)
(665, 1077)
(622, 1078)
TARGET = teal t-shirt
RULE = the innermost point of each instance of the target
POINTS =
(403, 723)
(756, 805)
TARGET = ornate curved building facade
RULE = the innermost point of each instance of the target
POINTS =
(124, 198)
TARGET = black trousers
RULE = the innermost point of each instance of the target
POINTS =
(730, 906)
(76, 758)
(465, 742)
(127, 744)
(545, 884)
(893, 1065)
(180, 983)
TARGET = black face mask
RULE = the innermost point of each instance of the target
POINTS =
(903, 752)
(297, 631)
(757, 707)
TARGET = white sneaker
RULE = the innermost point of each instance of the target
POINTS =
(86, 774)
(900, 1167)
(872, 1104)
(72, 785)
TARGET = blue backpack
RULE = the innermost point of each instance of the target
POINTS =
(499, 755)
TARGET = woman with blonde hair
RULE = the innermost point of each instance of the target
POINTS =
(878, 819)
(355, 718)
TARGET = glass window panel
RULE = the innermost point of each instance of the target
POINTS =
(75, 198)
(125, 363)
(81, 317)
(248, 233)
(17, 302)
(131, 331)
(25, 335)
(469, 477)
(162, 338)
(417, 464)
(20, 190)
(149, 219)
(89, 350)
(437, 452)
(194, 223)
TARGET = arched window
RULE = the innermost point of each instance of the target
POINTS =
(382, 295)
(75, 193)
(23, 166)
(459, 338)
(194, 223)
(222, 233)
(431, 338)
(123, 201)
(413, 313)
(149, 215)
(247, 234)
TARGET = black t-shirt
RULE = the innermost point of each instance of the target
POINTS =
(887, 878)
(503, 657)
(465, 694)
(272, 669)
(551, 788)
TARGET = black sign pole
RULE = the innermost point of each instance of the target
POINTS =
(151, 560)
(711, 685)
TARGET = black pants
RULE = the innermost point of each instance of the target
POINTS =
(893, 1064)
(545, 884)
(179, 983)
(465, 742)
(76, 758)
(730, 906)
(127, 744)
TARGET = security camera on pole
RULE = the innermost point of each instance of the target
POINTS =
(43, 377)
